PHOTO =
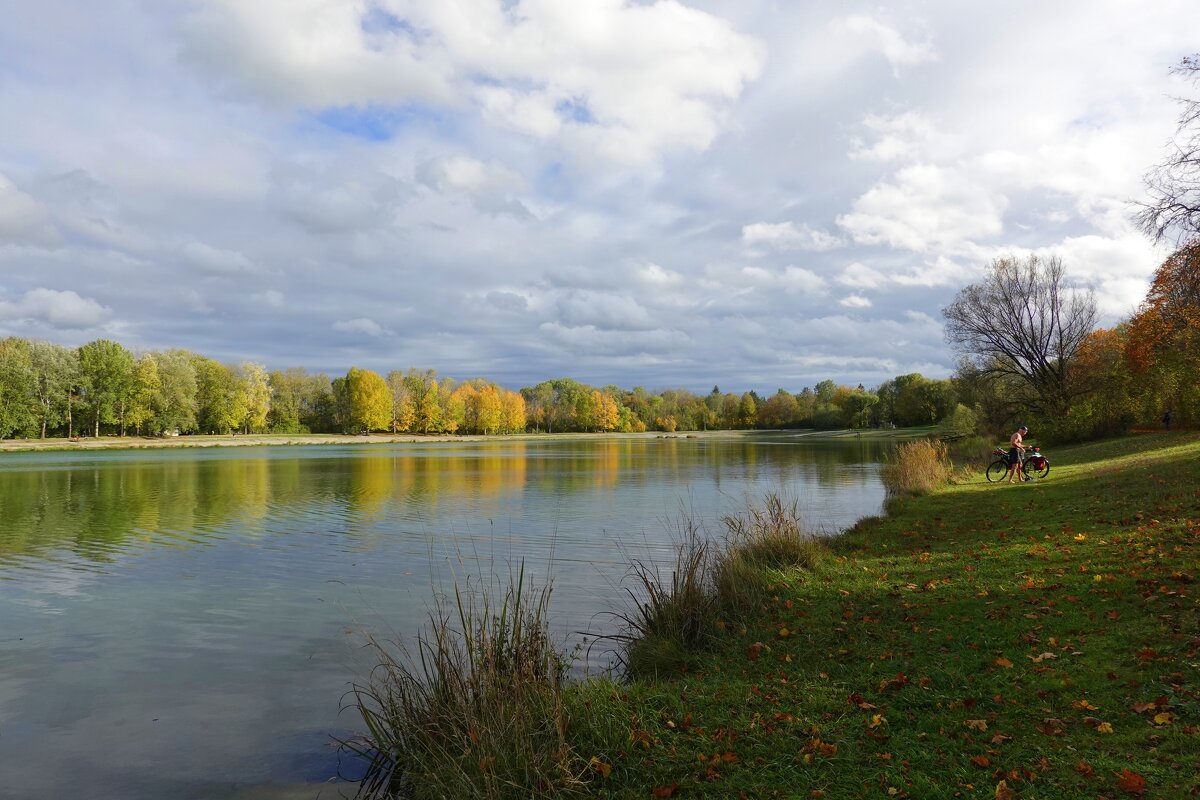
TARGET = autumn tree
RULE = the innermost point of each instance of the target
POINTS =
(1023, 321)
(1164, 335)
(370, 400)
(404, 408)
(1173, 210)
(513, 413)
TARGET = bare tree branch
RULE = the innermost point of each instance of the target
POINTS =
(1173, 208)
(1024, 322)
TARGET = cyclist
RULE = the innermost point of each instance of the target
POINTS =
(1014, 453)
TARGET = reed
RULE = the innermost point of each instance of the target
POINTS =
(917, 467)
(477, 711)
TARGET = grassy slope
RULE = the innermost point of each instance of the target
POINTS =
(1041, 635)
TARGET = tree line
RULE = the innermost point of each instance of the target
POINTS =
(102, 387)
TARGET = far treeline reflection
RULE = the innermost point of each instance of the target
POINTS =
(92, 505)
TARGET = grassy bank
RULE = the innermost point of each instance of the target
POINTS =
(983, 640)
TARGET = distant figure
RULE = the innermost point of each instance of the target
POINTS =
(1167, 419)
(1014, 453)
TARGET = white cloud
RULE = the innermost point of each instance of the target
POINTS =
(860, 276)
(490, 186)
(362, 326)
(627, 81)
(22, 219)
(906, 136)
(64, 310)
(855, 301)
(925, 207)
(871, 34)
(786, 236)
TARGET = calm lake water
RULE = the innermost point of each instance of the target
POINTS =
(184, 623)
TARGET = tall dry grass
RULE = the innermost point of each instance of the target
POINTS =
(712, 582)
(477, 711)
(917, 467)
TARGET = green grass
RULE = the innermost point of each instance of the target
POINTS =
(1035, 640)
(980, 640)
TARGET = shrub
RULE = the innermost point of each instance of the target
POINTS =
(917, 467)
(761, 539)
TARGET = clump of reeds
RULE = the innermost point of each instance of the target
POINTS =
(761, 539)
(917, 467)
(670, 616)
(712, 582)
(477, 711)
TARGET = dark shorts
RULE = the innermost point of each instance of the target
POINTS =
(1014, 456)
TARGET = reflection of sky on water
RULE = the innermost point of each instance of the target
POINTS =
(169, 616)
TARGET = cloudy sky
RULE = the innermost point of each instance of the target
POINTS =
(753, 193)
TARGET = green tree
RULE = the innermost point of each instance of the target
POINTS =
(18, 386)
(146, 398)
(254, 385)
(178, 387)
(56, 369)
(108, 372)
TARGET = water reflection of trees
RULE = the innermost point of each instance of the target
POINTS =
(92, 510)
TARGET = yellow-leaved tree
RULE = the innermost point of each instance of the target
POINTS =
(370, 400)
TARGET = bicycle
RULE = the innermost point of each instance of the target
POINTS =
(1033, 465)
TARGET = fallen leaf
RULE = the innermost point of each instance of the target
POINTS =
(604, 769)
(1130, 781)
(1003, 792)
(980, 761)
(1104, 727)
(876, 721)
(1003, 662)
(665, 791)
(1163, 719)
(1083, 705)
(976, 724)
(1085, 769)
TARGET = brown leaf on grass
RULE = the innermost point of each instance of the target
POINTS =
(1131, 782)
(1164, 718)
(665, 791)
(1003, 792)
(1142, 708)
(1085, 769)
(754, 651)
(976, 724)
(1146, 654)
(980, 761)
(1003, 662)
(1051, 727)
(858, 701)
(728, 757)
(894, 683)
(1083, 705)
(1001, 738)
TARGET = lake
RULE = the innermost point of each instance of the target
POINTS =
(185, 623)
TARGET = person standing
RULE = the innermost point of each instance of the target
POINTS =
(1017, 442)
(1167, 419)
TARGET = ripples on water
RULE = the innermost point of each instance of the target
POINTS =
(183, 623)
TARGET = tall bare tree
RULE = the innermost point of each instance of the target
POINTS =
(1173, 210)
(1024, 323)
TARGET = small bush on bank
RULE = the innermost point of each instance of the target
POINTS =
(478, 712)
(917, 467)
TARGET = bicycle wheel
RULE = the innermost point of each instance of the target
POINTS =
(1034, 472)
(997, 470)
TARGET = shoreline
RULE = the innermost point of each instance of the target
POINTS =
(288, 439)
